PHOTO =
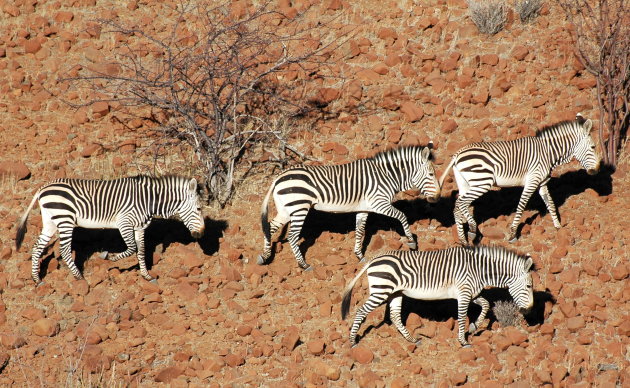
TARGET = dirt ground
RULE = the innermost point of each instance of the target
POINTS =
(216, 318)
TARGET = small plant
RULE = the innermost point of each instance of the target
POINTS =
(489, 16)
(506, 313)
(527, 9)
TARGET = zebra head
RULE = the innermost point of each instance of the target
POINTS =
(189, 210)
(424, 176)
(585, 150)
(521, 285)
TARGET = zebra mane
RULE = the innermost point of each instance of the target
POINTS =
(496, 250)
(567, 127)
(396, 153)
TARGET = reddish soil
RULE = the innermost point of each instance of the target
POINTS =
(218, 319)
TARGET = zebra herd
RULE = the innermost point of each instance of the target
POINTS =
(364, 186)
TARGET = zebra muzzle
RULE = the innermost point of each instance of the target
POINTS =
(197, 233)
(592, 171)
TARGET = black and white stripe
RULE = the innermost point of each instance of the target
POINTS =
(524, 162)
(127, 204)
(456, 273)
(363, 186)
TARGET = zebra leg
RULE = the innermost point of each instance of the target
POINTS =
(485, 306)
(48, 231)
(127, 233)
(370, 304)
(528, 190)
(276, 224)
(462, 311)
(395, 306)
(544, 193)
(392, 212)
(360, 235)
(65, 239)
(460, 220)
(139, 242)
(472, 225)
(297, 221)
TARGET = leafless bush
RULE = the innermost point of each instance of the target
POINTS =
(602, 39)
(489, 16)
(216, 82)
(507, 313)
(527, 9)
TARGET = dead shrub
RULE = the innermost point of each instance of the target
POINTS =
(527, 10)
(507, 313)
(489, 16)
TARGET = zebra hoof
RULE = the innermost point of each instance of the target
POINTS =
(353, 345)
(154, 281)
(307, 268)
(260, 260)
(103, 255)
(362, 260)
(467, 346)
(39, 284)
(512, 240)
(472, 328)
(417, 342)
(472, 236)
(412, 245)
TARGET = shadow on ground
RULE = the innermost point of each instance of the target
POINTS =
(88, 242)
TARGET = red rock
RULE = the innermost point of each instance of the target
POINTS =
(291, 338)
(411, 111)
(490, 59)
(33, 314)
(234, 360)
(186, 291)
(91, 150)
(493, 233)
(16, 169)
(316, 346)
(331, 372)
(11, 10)
(449, 126)
(399, 382)
(515, 335)
(575, 323)
(243, 330)
(520, 52)
(12, 341)
(167, 374)
(32, 46)
(45, 327)
(362, 355)
(63, 17)
(334, 259)
(620, 271)
(458, 378)
(100, 109)
(466, 355)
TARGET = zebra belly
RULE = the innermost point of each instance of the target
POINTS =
(362, 206)
(510, 181)
(432, 293)
(91, 224)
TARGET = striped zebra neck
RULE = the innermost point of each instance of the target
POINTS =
(495, 266)
(163, 194)
(398, 163)
(561, 140)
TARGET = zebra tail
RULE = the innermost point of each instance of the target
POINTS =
(264, 219)
(445, 173)
(21, 231)
(347, 293)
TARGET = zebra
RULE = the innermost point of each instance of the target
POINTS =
(454, 273)
(363, 186)
(127, 204)
(524, 162)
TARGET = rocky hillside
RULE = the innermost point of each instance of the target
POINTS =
(413, 72)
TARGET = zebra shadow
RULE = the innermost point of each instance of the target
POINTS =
(443, 310)
(415, 210)
(504, 201)
(165, 232)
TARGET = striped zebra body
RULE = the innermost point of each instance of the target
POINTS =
(456, 273)
(363, 186)
(526, 162)
(127, 204)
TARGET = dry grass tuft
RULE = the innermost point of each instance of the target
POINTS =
(527, 10)
(489, 16)
(507, 313)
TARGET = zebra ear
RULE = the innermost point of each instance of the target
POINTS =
(192, 185)
(426, 153)
(587, 126)
(529, 263)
